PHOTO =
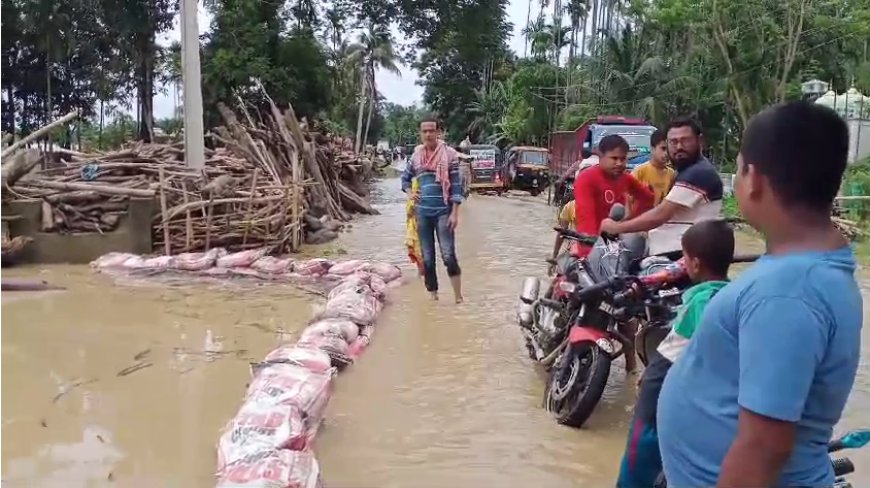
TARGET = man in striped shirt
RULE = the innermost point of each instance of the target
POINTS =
(435, 166)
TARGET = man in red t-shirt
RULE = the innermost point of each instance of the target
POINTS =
(598, 188)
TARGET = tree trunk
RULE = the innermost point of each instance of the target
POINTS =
(372, 101)
(48, 107)
(146, 90)
(359, 118)
(595, 23)
(100, 133)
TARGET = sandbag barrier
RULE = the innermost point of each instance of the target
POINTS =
(268, 444)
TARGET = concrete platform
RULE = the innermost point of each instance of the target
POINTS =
(132, 235)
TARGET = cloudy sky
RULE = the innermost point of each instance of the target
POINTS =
(398, 89)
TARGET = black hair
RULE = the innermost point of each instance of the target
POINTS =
(802, 149)
(657, 137)
(431, 118)
(685, 122)
(611, 142)
(712, 242)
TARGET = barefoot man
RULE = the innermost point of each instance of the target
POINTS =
(435, 166)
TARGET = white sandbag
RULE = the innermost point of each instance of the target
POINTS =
(198, 261)
(288, 384)
(360, 306)
(342, 327)
(333, 345)
(241, 259)
(112, 260)
(348, 267)
(273, 265)
(360, 281)
(134, 262)
(313, 267)
(258, 427)
(312, 359)
(273, 468)
(159, 263)
(388, 272)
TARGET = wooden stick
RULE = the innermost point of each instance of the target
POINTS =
(188, 222)
(106, 190)
(39, 133)
(163, 212)
(208, 222)
(250, 205)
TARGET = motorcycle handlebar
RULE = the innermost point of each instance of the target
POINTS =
(576, 236)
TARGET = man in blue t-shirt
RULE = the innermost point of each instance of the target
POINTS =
(753, 400)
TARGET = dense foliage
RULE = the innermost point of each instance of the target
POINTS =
(720, 61)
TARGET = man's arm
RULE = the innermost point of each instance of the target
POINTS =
(456, 197)
(585, 204)
(641, 194)
(680, 197)
(407, 175)
(781, 343)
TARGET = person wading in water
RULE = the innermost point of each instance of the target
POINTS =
(435, 166)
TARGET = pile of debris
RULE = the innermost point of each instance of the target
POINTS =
(267, 182)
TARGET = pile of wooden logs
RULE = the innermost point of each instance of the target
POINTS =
(267, 182)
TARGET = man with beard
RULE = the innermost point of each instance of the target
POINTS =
(695, 196)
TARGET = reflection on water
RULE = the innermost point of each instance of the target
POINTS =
(133, 384)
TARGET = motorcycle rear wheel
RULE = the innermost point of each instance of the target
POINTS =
(576, 383)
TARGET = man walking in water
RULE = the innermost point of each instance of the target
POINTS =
(435, 166)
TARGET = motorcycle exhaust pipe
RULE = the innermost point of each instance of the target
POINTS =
(528, 295)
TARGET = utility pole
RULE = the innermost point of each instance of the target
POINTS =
(194, 146)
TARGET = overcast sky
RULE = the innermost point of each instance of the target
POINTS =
(397, 89)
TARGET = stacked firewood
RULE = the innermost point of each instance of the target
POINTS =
(267, 182)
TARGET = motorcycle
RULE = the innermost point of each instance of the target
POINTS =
(573, 329)
(855, 439)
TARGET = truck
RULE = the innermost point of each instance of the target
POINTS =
(568, 147)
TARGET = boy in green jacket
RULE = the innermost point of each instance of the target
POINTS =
(708, 249)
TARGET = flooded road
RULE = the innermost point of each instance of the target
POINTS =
(445, 396)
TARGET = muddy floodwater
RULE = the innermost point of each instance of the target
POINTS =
(128, 385)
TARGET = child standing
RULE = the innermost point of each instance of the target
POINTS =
(708, 249)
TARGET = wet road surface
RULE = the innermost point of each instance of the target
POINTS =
(445, 396)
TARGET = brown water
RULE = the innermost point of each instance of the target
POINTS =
(445, 396)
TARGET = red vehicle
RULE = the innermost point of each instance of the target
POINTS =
(566, 147)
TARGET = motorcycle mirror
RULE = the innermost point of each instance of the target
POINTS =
(856, 439)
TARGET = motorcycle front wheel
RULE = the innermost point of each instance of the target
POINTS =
(576, 383)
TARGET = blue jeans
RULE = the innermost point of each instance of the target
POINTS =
(428, 227)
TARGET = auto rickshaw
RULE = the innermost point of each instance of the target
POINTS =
(486, 168)
(528, 169)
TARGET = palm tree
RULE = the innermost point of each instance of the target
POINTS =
(578, 11)
(488, 109)
(374, 50)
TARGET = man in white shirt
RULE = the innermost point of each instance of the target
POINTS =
(695, 196)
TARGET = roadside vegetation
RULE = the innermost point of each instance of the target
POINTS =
(721, 61)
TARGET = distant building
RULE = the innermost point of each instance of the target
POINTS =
(854, 107)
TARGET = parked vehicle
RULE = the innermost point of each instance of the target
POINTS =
(855, 439)
(486, 168)
(566, 147)
(573, 328)
(528, 169)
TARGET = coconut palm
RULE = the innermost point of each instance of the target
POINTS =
(374, 50)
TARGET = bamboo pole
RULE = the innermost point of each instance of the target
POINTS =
(250, 206)
(166, 241)
(39, 133)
